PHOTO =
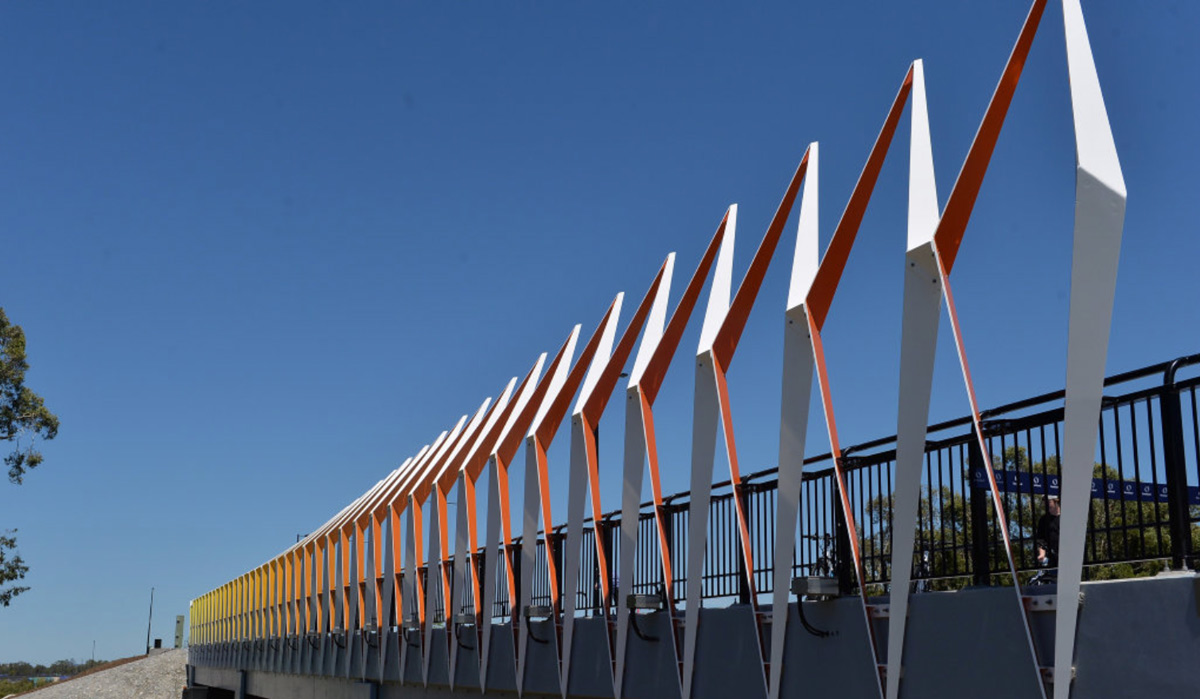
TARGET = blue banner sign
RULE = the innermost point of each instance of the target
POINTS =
(1037, 484)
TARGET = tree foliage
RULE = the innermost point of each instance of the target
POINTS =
(24, 419)
(1126, 537)
(11, 568)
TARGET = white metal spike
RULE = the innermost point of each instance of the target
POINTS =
(808, 253)
(918, 344)
(794, 407)
(1099, 222)
(492, 542)
(556, 381)
(631, 497)
(655, 325)
(721, 285)
(603, 353)
(705, 421)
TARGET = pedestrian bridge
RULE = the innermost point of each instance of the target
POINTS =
(906, 566)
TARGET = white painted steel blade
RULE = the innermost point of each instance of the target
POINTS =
(807, 257)
(1099, 220)
(556, 381)
(705, 420)
(490, 561)
(631, 497)
(655, 325)
(408, 589)
(794, 406)
(603, 353)
(530, 507)
(389, 591)
(460, 570)
(433, 587)
(493, 522)
(918, 347)
(576, 502)
(522, 400)
(721, 285)
(922, 185)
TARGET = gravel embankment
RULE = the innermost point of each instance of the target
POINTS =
(156, 677)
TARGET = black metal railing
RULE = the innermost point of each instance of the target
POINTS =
(1145, 512)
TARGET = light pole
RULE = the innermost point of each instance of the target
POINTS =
(150, 621)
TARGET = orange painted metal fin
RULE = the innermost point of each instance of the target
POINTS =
(558, 408)
(825, 283)
(656, 369)
(598, 400)
(953, 225)
(739, 310)
(512, 441)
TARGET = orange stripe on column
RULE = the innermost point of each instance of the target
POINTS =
(397, 560)
(835, 448)
(506, 534)
(976, 421)
(360, 581)
(473, 533)
(547, 521)
(418, 556)
(664, 550)
(735, 476)
(444, 537)
(593, 461)
(377, 518)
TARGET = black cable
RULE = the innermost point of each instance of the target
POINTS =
(633, 622)
(458, 637)
(819, 633)
(529, 627)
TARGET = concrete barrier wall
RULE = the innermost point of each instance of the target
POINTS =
(1137, 638)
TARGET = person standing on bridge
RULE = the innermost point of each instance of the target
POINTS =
(1047, 533)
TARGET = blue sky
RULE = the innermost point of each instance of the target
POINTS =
(263, 252)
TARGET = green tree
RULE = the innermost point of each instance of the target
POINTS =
(24, 419)
(1131, 531)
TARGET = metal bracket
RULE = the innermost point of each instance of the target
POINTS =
(537, 611)
(648, 603)
(460, 622)
(815, 587)
(1048, 674)
(412, 623)
(1041, 603)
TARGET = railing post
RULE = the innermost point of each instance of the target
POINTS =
(980, 540)
(1176, 467)
(602, 545)
(557, 538)
(612, 533)
(740, 492)
(480, 606)
(842, 549)
(515, 593)
(669, 533)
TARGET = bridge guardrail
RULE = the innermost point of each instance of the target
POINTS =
(1131, 528)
